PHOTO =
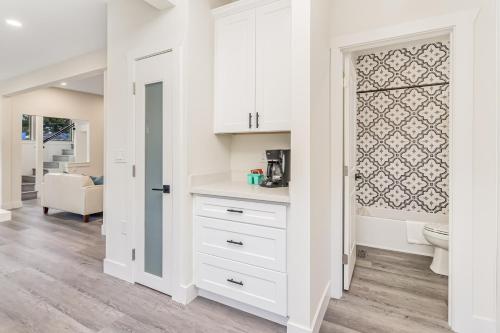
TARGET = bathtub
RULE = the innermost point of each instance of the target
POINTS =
(386, 228)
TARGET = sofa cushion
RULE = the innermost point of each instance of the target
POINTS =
(98, 180)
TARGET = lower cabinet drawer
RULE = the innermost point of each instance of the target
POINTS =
(250, 244)
(259, 287)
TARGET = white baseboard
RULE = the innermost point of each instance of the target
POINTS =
(185, 294)
(483, 325)
(118, 270)
(5, 215)
(318, 316)
(243, 307)
(12, 205)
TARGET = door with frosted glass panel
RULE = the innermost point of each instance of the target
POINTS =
(153, 162)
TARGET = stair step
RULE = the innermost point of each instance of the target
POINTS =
(62, 158)
(27, 187)
(28, 179)
(51, 165)
(29, 195)
(68, 152)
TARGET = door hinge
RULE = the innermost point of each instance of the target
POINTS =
(133, 254)
(133, 171)
(345, 259)
(133, 88)
(346, 171)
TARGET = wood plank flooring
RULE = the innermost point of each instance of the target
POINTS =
(391, 292)
(51, 280)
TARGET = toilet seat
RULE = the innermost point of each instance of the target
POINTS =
(437, 228)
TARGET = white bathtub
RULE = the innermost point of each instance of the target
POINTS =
(386, 228)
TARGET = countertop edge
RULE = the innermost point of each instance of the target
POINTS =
(202, 190)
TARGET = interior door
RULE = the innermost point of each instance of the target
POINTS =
(350, 214)
(153, 157)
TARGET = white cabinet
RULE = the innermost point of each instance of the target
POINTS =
(273, 66)
(240, 251)
(253, 69)
(234, 72)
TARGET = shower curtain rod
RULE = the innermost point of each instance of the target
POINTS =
(407, 87)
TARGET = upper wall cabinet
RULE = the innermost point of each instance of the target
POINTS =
(253, 67)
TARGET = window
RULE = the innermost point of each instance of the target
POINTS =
(52, 126)
(28, 128)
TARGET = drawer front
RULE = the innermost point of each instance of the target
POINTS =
(270, 215)
(259, 287)
(250, 244)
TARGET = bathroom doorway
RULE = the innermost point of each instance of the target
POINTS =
(390, 199)
(396, 196)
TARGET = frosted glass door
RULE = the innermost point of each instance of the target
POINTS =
(153, 214)
(153, 204)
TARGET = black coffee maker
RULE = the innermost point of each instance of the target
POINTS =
(278, 168)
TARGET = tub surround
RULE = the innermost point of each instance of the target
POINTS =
(402, 127)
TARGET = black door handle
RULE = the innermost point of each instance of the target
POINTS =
(234, 211)
(164, 189)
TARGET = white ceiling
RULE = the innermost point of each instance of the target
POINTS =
(92, 85)
(53, 31)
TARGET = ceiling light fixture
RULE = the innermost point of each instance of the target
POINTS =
(13, 23)
(64, 84)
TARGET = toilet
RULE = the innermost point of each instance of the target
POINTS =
(437, 235)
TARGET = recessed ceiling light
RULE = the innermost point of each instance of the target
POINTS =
(13, 23)
(63, 84)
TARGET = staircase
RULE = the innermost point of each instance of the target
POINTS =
(58, 164)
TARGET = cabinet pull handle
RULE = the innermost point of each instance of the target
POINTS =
(240, 283)
(230, 241)
(257, 119)
(235, 211)
(249, 120)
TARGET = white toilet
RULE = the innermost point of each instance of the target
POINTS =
(437, 235)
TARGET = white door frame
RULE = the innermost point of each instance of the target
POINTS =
(178, 186)
(460, 28)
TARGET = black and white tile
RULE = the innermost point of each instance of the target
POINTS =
(402, 134)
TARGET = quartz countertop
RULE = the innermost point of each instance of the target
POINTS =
(242, 190)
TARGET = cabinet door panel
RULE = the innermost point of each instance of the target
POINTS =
(274, 66)
(234, 72)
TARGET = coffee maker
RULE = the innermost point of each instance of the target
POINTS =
(278, 168)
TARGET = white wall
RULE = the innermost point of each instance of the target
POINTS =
(248, 151)
(346, 17)
(320, 156)
(28, 155)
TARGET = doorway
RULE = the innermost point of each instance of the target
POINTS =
(396, 194)
(153, 102)
(458, 28)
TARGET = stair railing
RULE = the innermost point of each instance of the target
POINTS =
(56, 134)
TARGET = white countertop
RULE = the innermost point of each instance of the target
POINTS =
(242, 190)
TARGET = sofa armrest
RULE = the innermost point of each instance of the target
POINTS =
(92, 199)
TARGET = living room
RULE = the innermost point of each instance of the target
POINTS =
(58, 130)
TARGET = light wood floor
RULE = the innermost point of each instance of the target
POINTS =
(391, 292)
(51, 281)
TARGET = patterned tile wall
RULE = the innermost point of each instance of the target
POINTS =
(402, 128)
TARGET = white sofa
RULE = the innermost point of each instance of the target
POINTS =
(71, 193)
